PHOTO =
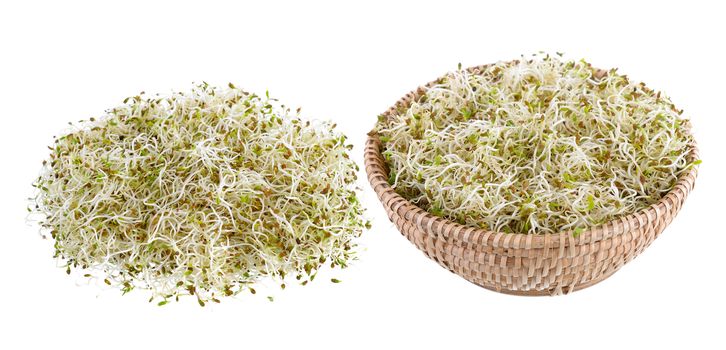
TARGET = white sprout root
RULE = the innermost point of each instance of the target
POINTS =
(200, 193)
(536, 146)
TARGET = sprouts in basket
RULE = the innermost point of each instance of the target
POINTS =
(537, 146)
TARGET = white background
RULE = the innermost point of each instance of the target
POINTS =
(63, 61)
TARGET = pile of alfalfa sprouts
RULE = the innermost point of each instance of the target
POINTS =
(536, 146)
(200, 193)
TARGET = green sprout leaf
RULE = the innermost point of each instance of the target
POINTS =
(590, 203)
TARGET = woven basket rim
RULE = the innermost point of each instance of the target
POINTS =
(376, 168)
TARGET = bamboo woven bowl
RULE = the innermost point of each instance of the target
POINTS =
(523, 264)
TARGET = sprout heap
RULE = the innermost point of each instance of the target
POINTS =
(536, 146)
(200, 193)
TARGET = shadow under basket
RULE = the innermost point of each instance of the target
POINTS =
(523, 264)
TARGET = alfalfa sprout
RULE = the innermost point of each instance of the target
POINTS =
(200, 193)
(537, 145)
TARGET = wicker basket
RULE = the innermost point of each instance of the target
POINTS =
(523, 264)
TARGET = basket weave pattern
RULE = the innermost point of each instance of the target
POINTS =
(523, 264)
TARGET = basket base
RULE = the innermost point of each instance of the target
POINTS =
(549, 292)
